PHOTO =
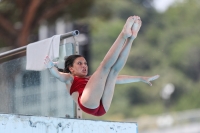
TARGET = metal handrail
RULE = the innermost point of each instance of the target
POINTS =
(23, 48)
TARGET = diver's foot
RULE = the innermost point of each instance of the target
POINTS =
(136, 26)
(127, 27)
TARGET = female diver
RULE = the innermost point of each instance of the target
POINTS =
(94, 93)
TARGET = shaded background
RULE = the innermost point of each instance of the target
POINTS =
(168, 44)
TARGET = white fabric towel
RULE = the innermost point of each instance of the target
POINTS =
(37, 51)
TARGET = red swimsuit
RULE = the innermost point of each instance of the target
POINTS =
(79, 85)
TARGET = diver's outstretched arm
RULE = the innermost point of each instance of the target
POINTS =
(63, 77)
(123, 79)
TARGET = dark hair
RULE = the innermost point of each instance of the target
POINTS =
(69, 61)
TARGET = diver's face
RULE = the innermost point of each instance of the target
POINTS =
(79, 67)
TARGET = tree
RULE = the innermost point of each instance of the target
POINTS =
(20, 19)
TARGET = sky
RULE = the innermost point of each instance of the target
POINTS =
(162, 5)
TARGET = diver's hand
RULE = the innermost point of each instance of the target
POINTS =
(148, 79)
(48, 62)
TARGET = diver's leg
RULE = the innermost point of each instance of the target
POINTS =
(119, 64)
(95, 87)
